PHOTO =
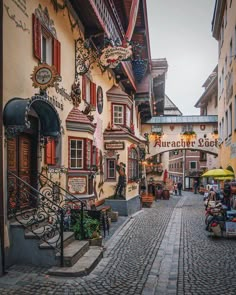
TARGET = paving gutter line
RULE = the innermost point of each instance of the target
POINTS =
(164, 272)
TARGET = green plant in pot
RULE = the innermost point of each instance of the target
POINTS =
(91, 228)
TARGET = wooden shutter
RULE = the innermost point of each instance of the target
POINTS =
(37, 31)
(93, 98)
(57, 55)
(50, 152)
(84, 87)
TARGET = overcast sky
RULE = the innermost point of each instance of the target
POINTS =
(180, 31)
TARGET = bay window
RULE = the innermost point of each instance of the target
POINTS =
(76, 153)
(121, 115)
(82, 154)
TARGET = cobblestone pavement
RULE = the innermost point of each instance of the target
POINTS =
(123, 270)
(207, 265)
(161, 250)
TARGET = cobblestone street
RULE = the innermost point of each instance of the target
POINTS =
(162, 250)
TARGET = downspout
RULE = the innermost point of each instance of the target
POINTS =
(1, 145)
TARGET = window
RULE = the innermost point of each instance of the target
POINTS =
(118, 114)
(230, 51)
(187, 128)
(226, 124)
(225, 15)
(111, 169)
(133, 164)
(89, 92)
(235, 42)
(193, 165)
(222, 33)
(230, 120)
(46, 47)
(203, 156)
(223, 79)
(223, 129)
(216, 101)
(76, 153)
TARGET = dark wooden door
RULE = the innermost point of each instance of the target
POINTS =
(19, 162)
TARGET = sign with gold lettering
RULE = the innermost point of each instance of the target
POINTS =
(114, 145)
(44, 76)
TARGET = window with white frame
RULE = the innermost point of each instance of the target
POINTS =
(133, 171)
(76, 153)
(118, 114)
(192, 165)
(111, 169)
(46, 47)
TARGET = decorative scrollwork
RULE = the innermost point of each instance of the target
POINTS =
(85, 56)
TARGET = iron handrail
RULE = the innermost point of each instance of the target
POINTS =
(73, 198)
(61, 188)
(45, 220)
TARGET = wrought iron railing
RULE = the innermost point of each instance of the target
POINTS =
(41, 211)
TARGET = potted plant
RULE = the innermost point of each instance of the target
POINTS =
(91, 227)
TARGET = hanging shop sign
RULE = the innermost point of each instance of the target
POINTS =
(113, 145)
(112, 56)
(44, 76)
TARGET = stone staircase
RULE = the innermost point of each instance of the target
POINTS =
(27, 248)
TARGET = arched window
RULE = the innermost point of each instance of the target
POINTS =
(133, 172)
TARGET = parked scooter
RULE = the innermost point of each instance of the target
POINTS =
(215, 219)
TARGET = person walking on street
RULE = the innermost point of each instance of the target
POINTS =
(175, 188)
(195, 186)
(179, 185)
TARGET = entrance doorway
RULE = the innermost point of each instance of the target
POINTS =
(22, 161)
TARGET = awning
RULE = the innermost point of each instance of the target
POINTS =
(16, 111)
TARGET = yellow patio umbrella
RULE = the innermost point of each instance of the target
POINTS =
(218, 173)
(224, 178)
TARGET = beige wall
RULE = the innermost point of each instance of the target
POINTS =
(227, 154)
(18, 66)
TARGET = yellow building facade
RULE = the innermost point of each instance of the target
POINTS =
(223, 30)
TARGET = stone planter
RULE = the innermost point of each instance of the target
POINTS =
(95, 242)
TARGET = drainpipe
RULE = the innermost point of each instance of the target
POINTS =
(1, 145)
